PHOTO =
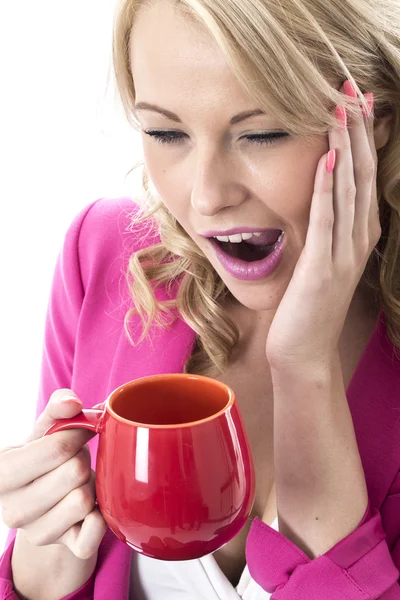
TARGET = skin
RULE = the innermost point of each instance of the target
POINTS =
(214, 178)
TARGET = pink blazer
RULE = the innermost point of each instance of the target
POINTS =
(86, 349)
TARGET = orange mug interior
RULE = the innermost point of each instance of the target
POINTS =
(171, 400)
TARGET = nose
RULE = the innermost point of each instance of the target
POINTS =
(216, 185)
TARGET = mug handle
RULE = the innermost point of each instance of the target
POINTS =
(88, 418)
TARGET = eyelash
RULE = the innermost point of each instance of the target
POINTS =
(175, 137)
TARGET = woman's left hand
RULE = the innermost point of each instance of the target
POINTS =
(343, 230)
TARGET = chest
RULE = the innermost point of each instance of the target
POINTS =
(252, 385)
(251, 381)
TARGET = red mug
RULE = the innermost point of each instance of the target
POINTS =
(175, 477)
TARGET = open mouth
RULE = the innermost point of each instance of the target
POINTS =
(248, 250)
(245, 251)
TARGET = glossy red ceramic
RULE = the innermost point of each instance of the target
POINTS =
(175, 477)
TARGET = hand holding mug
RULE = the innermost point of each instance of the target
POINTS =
(175, 477)
(47, 488)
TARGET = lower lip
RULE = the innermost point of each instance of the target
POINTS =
(249, 271)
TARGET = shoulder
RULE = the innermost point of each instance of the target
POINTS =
(105, 234)
(106, 221)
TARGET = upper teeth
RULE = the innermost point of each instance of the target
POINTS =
(239, 237)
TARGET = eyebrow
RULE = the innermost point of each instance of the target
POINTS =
(173, 117)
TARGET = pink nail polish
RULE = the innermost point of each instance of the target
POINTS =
(330, 160)
(349, 89)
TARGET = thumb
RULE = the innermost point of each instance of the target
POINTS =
(63, 404)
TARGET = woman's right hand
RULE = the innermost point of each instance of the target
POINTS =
(47, 486)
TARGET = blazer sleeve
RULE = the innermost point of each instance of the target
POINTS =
(361, 566)
(62, 318)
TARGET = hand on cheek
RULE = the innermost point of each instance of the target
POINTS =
(342, 232)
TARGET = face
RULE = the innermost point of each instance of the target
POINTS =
(212, 175)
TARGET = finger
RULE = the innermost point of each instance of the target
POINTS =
(84, 539)
(365, 180)
(25, 505)
(373, 217)
(369, 120)
(21, 466)
(350, 184)
(70, 510)
(343, 189)
(318, 243)
(63, 404)
(363, 162)
(56, 409)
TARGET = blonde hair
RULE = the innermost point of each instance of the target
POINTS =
(286, 55)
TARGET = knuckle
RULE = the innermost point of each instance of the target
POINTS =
(350, 191)
(80, 469)
(82, 551)
(326, 221)
(34, 539)
(37, 537)
(6, 474)
(364, 249)
(367, 167)
(84, 500)
(347, 144)
(62, 449)
(13, 516)
(4, 477)
(364, 241)
(324, 285)
(86, 545)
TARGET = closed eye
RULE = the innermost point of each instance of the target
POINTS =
(176, 137)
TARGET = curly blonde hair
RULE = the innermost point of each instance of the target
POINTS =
(286, 55)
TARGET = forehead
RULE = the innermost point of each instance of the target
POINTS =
(172, 56)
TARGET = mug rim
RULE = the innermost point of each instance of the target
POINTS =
(224, 386)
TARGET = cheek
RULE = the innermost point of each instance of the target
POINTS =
(168, 181)
(154, 166)
(287, 185)
(158, 171)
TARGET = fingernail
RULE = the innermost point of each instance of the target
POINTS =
(330, 160)
(369, 97)
(341, 116)
(349, 89)
(68, 398)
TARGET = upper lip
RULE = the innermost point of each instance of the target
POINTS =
(239, 229)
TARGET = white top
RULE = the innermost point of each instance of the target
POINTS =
(199, 579)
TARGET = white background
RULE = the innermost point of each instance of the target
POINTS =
(64, 142)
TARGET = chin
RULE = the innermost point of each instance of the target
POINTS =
(257, 304)
(262, 295)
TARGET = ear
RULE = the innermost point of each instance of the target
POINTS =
(382, 130)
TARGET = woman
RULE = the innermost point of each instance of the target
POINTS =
(254, 121)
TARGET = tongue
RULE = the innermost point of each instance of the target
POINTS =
(267, 238)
